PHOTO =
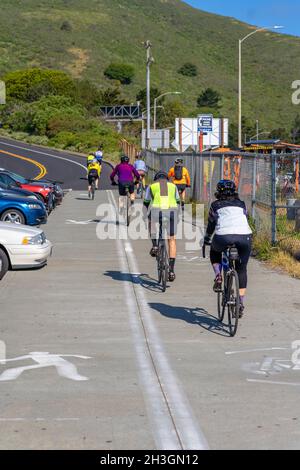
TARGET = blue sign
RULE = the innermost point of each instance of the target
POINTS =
(205, 123)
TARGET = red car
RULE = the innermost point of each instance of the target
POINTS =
(43, 190)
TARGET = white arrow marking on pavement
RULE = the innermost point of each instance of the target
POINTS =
(63, 367)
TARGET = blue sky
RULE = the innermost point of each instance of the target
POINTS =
(257, 12)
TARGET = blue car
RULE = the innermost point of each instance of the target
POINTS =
(22, 210)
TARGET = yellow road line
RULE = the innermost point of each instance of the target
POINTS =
(42, 168)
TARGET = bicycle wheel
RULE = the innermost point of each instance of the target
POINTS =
(128, 211)
(159, 263)
(221, 307)
(93, 190)
(233, 303)
(164, 268)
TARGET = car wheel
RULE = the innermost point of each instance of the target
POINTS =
(4, 263)
(13, 216)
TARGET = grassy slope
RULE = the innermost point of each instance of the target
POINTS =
(112, 30)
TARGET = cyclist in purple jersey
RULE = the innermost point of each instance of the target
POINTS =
(127, 175)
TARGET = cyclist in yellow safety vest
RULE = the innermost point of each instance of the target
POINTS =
(94, 172)
(164, 199)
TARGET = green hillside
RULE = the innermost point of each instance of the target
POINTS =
(98, 32)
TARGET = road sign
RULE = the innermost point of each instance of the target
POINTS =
(205, 123)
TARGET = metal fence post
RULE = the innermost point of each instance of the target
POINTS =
(254, 171)
(273, 198)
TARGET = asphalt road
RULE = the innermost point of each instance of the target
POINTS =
(61, 166)
(129, 367)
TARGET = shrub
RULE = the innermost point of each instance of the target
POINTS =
(124, 73)
(142, 96)
(31, 84)
(66, 26)
(189, 70)
(209, 98)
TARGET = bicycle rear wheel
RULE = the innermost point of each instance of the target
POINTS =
(128, 211)
(233, 303)
(93, 190)
(221, 307)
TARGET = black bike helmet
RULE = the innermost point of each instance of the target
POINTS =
(226, 188)
(161, 175)
(124, 159)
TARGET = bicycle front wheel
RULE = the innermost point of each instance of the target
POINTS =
(233, 302)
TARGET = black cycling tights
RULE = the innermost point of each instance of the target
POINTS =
(243, 244)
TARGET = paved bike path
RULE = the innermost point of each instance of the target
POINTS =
(94, 299)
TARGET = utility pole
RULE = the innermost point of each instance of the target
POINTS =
(149, 62)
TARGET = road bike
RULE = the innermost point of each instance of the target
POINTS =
(162, 257)
(125, 205)
(229, 294)
(93, 188)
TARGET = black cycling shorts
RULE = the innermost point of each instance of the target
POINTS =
(93, 175)
(181, 188)
(170, 217)
(243, 244)
(123, 186)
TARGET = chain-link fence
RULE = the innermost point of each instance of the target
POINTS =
(269, 184)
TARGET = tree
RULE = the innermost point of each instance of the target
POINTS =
(280, 133)
(111, 97)
(142, 96)
(172, 110)
(124, 73)
(209, 98)
(188, 69)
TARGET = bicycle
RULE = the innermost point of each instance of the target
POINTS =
(140, 189)
(162, 257)
(93, 189)
(125, 210)
(229, 295)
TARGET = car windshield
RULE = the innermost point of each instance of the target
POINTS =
(18, 178)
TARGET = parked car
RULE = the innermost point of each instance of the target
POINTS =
(22, 247)
(44, 191)
(5, 190)
(57, 190)
(22, 210)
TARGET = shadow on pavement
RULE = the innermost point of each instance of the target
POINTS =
(143, 280)
(194, 316)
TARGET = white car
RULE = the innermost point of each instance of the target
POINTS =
(22, 247)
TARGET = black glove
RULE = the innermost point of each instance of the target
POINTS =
(207, 240)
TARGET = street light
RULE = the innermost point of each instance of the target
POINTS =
(158, 98)
(240, 73)
(149, 62)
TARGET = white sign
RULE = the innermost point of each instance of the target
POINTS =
(187, 135)
(2, 92)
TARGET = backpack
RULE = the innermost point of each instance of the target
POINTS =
(178, 170)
